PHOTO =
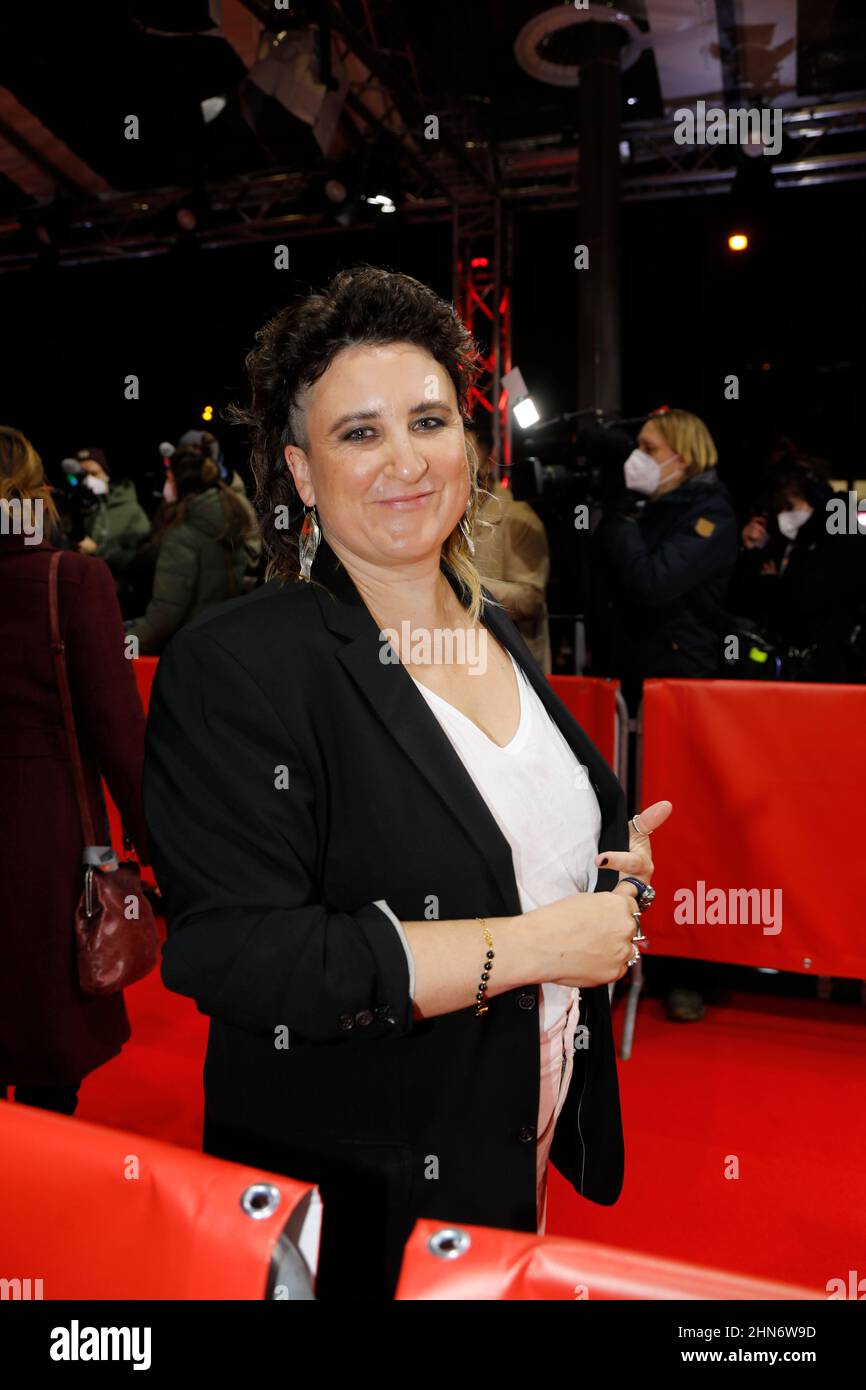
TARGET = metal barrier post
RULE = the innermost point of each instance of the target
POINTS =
(636, 979)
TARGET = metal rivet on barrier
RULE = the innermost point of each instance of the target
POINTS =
(449, 1243)
(261, 1199)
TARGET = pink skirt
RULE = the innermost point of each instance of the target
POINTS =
(557, 1064)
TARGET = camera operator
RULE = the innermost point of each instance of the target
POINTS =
(112, 520)
(662, 555)
(802, 584)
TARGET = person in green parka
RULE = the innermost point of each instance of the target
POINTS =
(206, 545)
(115, 527)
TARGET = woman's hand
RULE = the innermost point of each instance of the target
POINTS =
(584, 940)
(754, 533)
(587, 939)
(637, 859)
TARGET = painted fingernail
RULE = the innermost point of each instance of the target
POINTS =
(604, 861)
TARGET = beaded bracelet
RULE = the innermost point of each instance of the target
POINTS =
(480, 1006)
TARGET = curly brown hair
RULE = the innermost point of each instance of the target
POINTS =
(364, 305)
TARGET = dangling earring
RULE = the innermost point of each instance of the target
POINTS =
(309, 542)
(464, 527)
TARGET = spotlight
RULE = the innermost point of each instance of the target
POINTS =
(382, 201)
(525, 412)
(523, 406)
(738, 241)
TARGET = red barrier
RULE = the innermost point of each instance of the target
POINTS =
(593, 703)
(766, 783)
(145, 670)
(507, 1265)
(94, 1212)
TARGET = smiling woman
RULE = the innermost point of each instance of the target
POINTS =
(397, 861)
(370, 330)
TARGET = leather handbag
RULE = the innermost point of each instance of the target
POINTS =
(115, 928)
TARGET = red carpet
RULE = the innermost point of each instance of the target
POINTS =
(775, 1084)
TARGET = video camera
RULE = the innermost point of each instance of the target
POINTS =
(579, 454)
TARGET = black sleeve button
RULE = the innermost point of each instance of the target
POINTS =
(526, 1001)
(346, 1021)
(526, 1134)
(364, 1018)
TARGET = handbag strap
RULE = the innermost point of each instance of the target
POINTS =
(58, 653)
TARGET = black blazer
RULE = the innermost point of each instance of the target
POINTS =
(270, 895)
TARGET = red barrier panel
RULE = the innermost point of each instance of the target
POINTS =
(766, 783)
(592, 702)
(507, 1265)
(145, 670)
(94, 1212)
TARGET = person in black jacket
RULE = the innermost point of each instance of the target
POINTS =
(333, 875)
(801, 579)
(662, 558)
(661, 562)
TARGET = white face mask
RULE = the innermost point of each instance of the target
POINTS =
(642, 473)
(790, 522)
(97, 485)
(169, 490)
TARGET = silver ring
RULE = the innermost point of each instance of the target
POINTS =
(637, 827)
(646, 894)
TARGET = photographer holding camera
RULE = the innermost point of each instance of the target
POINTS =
(102, 516)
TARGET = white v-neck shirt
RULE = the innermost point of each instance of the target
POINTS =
(540, 796)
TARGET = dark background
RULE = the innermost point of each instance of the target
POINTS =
(693, 313)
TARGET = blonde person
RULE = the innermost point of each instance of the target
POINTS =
(662, 557)
(662, 561)
(511, 553)
(380, 868)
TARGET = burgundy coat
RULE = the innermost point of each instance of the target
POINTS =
(51, 1033)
